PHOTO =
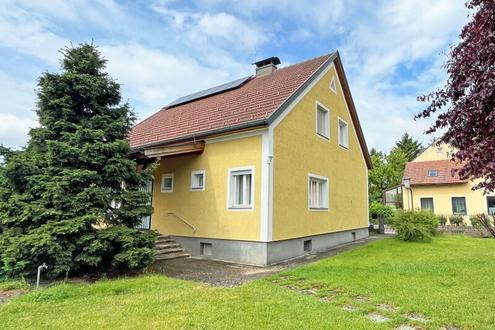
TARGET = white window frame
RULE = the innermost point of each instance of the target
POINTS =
(165, 176)
(193, 174)
(433, 201)
(430, 171)
(333, 85)
(343, 144)
(319, 106)
(231, 206)
(465, 204)
(326, 194)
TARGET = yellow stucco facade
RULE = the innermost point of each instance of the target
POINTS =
(298, 152)
(281, 156)
(207, 210)
(476, 200)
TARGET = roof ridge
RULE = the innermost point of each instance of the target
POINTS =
(305, 61)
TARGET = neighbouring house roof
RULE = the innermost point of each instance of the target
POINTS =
(254, 102)
(418, 172)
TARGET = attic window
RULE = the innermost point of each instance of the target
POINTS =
(432, 172)
(333, 85)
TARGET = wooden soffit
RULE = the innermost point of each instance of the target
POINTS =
(182, 149)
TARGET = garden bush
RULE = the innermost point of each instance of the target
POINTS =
(442, 219)
(379, 209)
(484, 222)
(415, 225)
(456, 220)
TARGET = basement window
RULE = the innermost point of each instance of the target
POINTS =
(167, 183)
(198, 180)
(241, 188)
(205, 249)
(317, 192)
(308, 245)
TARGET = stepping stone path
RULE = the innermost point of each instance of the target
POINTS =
(418, 318)
(349, 308)
(326, 299)
(406, 327)
(387, 308)
(326, 295)
(362, 299)
(377, 318)
(308, 292)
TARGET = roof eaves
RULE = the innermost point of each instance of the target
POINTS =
(200, 135)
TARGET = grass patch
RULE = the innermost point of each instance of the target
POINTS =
(446, 282)
(6, 285)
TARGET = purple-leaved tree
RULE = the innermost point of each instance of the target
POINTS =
(465, 106)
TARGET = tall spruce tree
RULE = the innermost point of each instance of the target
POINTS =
(71, 198)
(411, 147)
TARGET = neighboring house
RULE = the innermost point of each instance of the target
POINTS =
(262, 169)
(429, 184)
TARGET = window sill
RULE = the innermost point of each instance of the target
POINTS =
(240, 208)
(344, 147)
(321, 136)
(318, 208)
(166, 191)
(198, 189)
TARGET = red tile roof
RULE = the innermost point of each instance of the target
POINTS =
(418, 172)
(255, 103)
(257, 99)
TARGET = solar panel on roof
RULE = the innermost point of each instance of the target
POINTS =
(209, 91)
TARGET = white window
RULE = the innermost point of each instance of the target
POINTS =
(432, 173)
(322, 121)
(333, 85)
(343, 134)
(167, 182)
(198, 180)
(317, 192)
(241, 188)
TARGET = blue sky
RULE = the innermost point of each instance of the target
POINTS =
(392, 50)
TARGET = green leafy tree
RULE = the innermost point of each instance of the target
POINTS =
(71, 198)
(411, 147)
(387, 172)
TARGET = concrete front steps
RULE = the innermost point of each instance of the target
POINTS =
(167, 248)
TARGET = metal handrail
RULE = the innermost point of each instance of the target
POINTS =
(181, 219)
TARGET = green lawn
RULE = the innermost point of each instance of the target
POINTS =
(449, 282)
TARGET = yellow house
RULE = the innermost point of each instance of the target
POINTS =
(261, 169)
(429, 184)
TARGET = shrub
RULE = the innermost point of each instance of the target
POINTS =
(483, 221)
(415, 225)
(456, 220)
(442, 219)
(379, 209)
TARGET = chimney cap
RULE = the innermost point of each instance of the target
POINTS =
(271, 60)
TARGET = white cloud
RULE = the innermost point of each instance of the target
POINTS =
(231, 29)
(20, 31)
(155, 78)
(17, 110)
(398, 36)
(205, 28)
(391, 49)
